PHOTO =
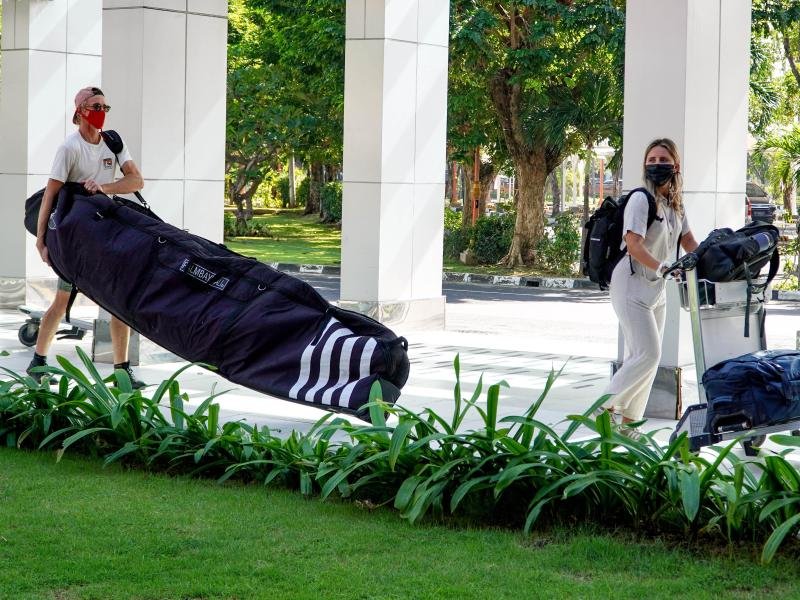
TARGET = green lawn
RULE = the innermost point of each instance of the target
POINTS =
(296, 239)
(74, 530)
(302, 239)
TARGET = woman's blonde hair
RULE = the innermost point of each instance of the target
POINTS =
(675, 191)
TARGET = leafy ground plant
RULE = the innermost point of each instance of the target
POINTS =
(514, 471)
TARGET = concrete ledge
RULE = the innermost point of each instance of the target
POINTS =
(12, 292)
(423, 313)
(786, 295)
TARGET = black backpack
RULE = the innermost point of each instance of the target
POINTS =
(32, 205)
(727, 255)
(601, 248)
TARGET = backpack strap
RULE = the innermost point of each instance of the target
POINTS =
(652, 215)
(652, 205)
(774, 263)
(114, 142)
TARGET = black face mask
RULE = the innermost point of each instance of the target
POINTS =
(659, 174)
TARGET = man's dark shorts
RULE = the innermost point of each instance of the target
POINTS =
(64, 286)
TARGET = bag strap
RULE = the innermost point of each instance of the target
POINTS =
(774, 263)
(72, 295)
(114, 142)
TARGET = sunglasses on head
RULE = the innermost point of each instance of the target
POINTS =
(97, 107)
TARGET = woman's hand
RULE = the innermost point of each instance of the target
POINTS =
(635, 244)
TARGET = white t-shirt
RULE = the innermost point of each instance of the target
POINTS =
(77, 160)
(661, 238)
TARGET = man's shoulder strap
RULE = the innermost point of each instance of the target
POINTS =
(113, 140)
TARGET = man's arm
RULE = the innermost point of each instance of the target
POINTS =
(50, 192)
(131, 181)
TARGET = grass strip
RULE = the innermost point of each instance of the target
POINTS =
(74, 530)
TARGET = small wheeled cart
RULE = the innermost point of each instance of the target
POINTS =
(29, 330)
(727, 321)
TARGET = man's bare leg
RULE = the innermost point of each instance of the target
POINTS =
(120, 337)
(50, 322)
(48, 327)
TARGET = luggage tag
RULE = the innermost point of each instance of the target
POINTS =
(204, 275)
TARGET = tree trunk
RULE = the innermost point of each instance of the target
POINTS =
(488, 175)
(292, 186)
(789, 192)
(531, 174)
(556, 190)
(466, 210)
(587, 183)
(315, 175)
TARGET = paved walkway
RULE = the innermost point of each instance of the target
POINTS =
(498, 358)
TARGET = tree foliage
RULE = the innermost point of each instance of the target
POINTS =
(285, 90)
(540, 61)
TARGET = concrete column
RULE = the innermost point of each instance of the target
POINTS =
(49, 51)
(394, 159)
(164, 72)
(687, 78)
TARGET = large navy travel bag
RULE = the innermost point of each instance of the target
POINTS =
(754, 390)
(258, 327)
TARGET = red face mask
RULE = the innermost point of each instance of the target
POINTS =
(96, 118)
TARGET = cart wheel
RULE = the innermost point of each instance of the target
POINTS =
(752, 444)
(28, 334)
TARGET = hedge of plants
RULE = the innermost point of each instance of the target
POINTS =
(557, 252)
(513, 471)
(331, 200)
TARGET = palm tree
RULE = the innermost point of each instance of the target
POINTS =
(784, 151)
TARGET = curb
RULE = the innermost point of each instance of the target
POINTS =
(312, 269)
(543, 282)
(556, 283)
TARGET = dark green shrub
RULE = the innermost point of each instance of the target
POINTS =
(331, 199)
(492, 237)
(456, 237)
(302, 192)
(249, 228)
(456, 241)
(283, 190)
(560, 249)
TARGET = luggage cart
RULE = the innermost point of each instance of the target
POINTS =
(727, 321)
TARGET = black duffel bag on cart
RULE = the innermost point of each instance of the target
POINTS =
(727, 255)
(258, 327)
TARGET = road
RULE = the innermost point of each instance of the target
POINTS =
(579, 322)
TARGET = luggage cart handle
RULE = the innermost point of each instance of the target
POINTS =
(687, 262)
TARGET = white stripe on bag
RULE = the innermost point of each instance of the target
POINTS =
(344, 369)
(305, 363)
(366, 360)
(325, 363)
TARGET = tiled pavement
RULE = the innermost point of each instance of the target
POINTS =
(430, 384)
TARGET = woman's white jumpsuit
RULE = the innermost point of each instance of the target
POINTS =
(639, 300)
